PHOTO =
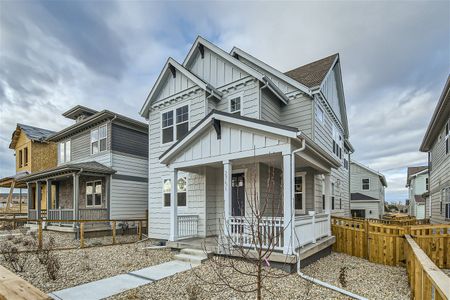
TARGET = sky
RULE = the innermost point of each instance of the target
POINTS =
(395, 58)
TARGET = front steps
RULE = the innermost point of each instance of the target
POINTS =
(193, 256)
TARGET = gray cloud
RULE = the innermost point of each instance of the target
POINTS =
(395, 58)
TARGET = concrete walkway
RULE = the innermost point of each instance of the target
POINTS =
(117, 284)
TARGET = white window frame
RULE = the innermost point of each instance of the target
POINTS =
(241, 110)
(94, 193)
(362, 184)
(446, 201)
(303, 192)
(63, 159)
(99, 139)
(319, 117)
(170, 192)
(447, 137)
(174, 125)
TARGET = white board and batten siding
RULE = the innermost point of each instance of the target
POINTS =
(173, 85)
(331, 92)
(234, 139)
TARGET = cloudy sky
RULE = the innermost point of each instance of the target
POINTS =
(395, 59)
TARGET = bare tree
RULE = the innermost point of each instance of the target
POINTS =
(251, 238)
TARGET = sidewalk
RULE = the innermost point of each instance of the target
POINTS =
(117, 284)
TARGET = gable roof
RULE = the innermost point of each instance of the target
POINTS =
(361, 197)
(313, 74)
(95, 119)
(411, 171)
(169, 64)
(381, 176)
(440, 117)
(35, 134)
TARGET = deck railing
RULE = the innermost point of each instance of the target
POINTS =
(187, 226)
(93, 213)
(243, 232)
(310, 228)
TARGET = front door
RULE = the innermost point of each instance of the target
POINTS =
(238, 194)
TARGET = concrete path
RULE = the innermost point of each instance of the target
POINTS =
(114, 285)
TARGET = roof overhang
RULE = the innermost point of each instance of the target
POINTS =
(381, 176)
(173, 66)
(68, 169)
(78, 110)
(440, 116)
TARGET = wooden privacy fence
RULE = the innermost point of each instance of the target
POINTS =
(425, 279)
(384, 244)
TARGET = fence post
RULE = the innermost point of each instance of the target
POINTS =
(14, 221)
(366, 239)
(113, 232)
(40, 234)
(140, 230)
(81, 235)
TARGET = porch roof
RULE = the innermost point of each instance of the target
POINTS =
(85, 167)
(215, 117)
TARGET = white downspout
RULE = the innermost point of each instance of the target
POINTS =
(302, 275)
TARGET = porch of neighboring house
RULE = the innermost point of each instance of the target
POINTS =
(59, 199)
(289, 190)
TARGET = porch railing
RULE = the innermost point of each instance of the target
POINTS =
(93, 213)
(243, 232)
(32, 214)
(187, 226)
(60, 214)
(310, 228)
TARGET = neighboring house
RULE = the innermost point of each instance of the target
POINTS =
(102, 169)
(219, 121)
(418, 184)
(32, 152)
(437, 143)
(367, 188)
(17, 199)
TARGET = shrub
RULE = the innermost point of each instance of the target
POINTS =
(11, 255)
(52, 266)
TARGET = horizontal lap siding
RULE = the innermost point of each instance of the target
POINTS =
(439, 177)
(130, 165)
(298, 113)
(270, 107)
(128, 199)
(127, 140)
(357, 174)
(160, 216)
(249, 90)
(368, 207)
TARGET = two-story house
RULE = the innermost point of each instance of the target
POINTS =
(33, 153)
(367, 188)
(417, 182)
(102, 169)
(224, 127)
(437, 143)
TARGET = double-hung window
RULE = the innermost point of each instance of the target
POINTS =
(94, 193)
(64, 152)
(445, 203)
(299, 193)
(98, 139)
(366, 184)
(174, 124)
(235, 105)
(319, 113)
(337, 142)
(181, 192)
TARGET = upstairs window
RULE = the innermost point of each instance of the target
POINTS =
(174, 124)
(366, 184)
(20, 158)
(235, 105)
(319, 113)
(337, 142)
(25, 156)
(181, 192)
(64, 154)
(98, 139)
(93, 193)
(447, 137)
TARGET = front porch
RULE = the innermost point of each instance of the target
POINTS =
(253, 188)
(61, 197)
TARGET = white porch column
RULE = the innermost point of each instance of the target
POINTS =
(288, 205)
(327, 183)
(227, 173)
(174, 206)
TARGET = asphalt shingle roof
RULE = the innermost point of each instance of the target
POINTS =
(415, 170)
(359, 196)
(35, 133)
(312, 74)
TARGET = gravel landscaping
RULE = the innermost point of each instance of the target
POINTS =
(359, 276)
(86, 265)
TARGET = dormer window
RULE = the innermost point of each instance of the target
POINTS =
(235, 105)
(98, 139)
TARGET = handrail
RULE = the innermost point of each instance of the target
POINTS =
(426, 270)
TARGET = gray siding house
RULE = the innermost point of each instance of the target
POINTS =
(367, 188)
(219, 122)
(102, 170)
(437, 143)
